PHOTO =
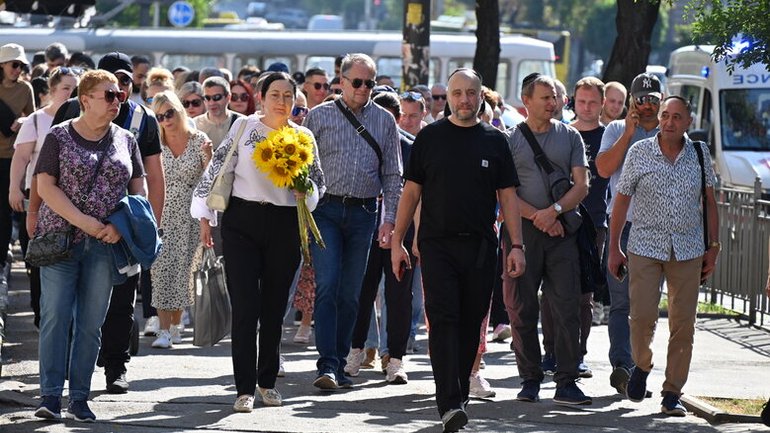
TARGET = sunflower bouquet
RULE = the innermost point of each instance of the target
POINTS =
(285, 156)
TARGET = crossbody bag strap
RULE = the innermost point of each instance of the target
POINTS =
(540, 157)
(92, 182)
(232, 149)
(699, 151)
(361, 130)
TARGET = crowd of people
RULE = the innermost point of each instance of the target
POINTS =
(441, 199)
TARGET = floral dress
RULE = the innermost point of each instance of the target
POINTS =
(172, 272)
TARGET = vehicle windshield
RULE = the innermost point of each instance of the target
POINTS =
(745, 117)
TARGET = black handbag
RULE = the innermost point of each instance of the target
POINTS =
(54, 247)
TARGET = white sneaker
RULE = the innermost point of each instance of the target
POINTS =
(176, 334)
(281, 369)
(501, 332)
(151, 327)
(395, 373)
(244, 403)
(163, 341)
(480, 387)
(303, 335)
(270, 397)
(354, 360)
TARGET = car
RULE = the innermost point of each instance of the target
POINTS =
(326, 22)
(290, 17)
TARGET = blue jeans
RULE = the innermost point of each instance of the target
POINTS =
(618, 328)
(75, 294)
(339, 270)
(417, 301)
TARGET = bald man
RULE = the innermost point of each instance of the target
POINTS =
(460, 168)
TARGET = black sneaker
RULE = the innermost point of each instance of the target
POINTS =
(529, 391)
(619, 379)
(79, 411)
(671, 405)
(637, 385)
(118, 385)
(765, 416)
(49, 408)
(571, 395)
(454, 419)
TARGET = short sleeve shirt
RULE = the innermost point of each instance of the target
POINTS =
(460, 170)
(34, 129)
(668, 214)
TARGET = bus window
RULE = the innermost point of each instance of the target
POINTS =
(192, 61)
(391, 66)
(243, 60)
(503, 74)
(527, 67)
(692, 94)
(324, 62)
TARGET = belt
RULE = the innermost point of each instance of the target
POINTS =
(350, 201)
(238, 200)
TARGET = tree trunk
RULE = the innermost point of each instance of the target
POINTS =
(487, 41)
(415, 48)
(634, 22)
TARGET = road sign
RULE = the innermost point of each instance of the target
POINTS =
(181, 14)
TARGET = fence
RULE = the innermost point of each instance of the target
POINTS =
(740, 277)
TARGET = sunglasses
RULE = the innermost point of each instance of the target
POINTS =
(167, 115)
(65, 70)
(358, 82)
(16, 65)
(216, 98)
(124, 79)
(411, 96)
(297, 111)
(243, 97)
(438, 96)
(319, 86)
(110, 95)
(654, 100)
(195, 103)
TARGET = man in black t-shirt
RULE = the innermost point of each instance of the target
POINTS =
(459, 168)
(116, 331)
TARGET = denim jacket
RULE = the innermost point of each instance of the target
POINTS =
(140, 243)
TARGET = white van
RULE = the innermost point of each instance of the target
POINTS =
(730, 111)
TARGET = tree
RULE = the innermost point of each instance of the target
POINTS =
(721, 22)
(487, 54)
(634, 22)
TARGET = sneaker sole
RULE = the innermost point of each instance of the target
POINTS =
(489, 394)
(586, 374)
(325, 383)
(398, 380)
(619, 380)
(116, 389)
(70, 415)
(301, 341)
(456, 422)
(45, 413)
(528, 399)
(561, 402)
(673, 412)
(352, 373)
(635, 399)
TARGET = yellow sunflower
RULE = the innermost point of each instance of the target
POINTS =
(280, 175)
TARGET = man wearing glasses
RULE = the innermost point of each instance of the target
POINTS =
(357, 172)
(640, 123)
(217, 119)
(412, 112)
(316, 86)
(438, 95)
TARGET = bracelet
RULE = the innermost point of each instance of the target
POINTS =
(715, 244)
(518, 246)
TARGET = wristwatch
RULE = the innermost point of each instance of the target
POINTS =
(518, 246)
(715, 244)
(557, 208)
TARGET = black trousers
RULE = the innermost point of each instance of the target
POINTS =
(497, 313)
(457, 274)
(145, 288)
(6, 213)
(554, 263)
(398, 298)
(116, 330)
(262, 252)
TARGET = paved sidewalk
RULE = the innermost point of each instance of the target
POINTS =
(190, 389)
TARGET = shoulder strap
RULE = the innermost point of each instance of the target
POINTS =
(540, 157)
(34, 120)
(361, 130)
(699, 152)
(234, 146)
(233, 118)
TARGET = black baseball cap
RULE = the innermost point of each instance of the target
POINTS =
(116, 62)
(646, 84)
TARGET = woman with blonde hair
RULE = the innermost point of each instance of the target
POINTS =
(158, 80)
(185, 153)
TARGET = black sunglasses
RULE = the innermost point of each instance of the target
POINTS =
(654, 100)
(195, 103)
(357, 83)
(124, 79)
(217, 97)
(110, 95)
(318, 86)
(167, 115)
(296, 111)
(243, 97)
(438, 96)
(16, 65)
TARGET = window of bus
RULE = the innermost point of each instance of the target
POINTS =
(527, 67)
(391, 66)
(324, 62)
(192, 61)
(503, 74)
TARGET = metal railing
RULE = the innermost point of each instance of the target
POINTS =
(738, 283)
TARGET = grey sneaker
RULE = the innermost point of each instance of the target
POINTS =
(270, 397)
(454, 419)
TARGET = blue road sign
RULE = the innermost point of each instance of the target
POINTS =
(181, 14)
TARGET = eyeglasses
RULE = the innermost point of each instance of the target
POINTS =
(411, 96)
(124, 79)
(654, 100)
(167, 115)
(438, 96)
(110, 95)
(297, 111)
(216, 98)
(243, 97)
(16, 65)
(325, 86)
(358, 82)
(65, 70)
(195, 103)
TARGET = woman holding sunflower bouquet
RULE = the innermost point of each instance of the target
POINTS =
(273, 161)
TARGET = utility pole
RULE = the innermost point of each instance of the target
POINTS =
(416, 43)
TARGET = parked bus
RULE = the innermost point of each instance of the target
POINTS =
(299, 50)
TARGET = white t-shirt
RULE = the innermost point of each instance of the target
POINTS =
(34, 128)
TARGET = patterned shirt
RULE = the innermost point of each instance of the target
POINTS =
(351, 168)
(668, 214)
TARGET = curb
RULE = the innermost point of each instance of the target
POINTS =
(714, 415)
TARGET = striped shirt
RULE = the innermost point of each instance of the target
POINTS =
(351, 167)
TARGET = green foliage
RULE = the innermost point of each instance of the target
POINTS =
(720, 22)
(130, 16)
